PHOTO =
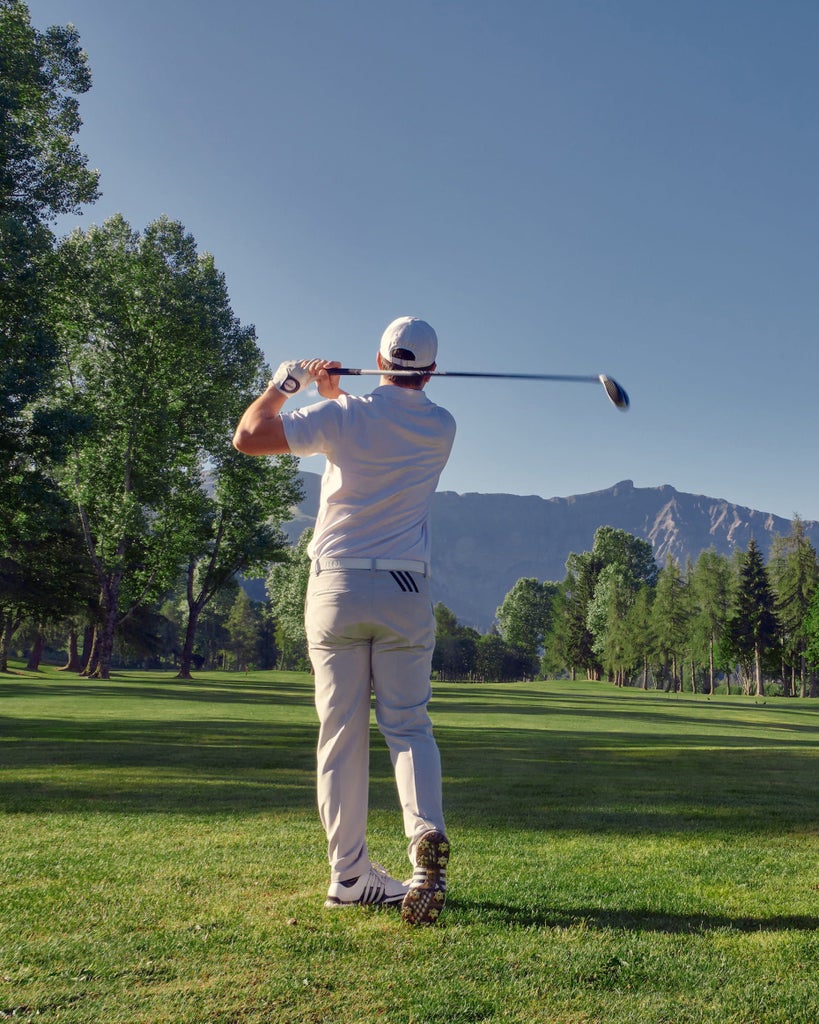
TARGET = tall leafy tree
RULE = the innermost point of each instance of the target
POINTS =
(525, 615)
(456, 649)
(634, 556)
(582, 572)
(670, 618)
(614, 595)
(710, 583)
(152, 359)
(236, 529)
(42, 174)
(629, 563)
(287, 591)
(752, 626)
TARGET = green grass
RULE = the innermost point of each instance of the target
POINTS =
(618, 856)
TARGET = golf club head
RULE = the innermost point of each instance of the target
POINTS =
(617, 395)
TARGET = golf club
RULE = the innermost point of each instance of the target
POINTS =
(615, 393)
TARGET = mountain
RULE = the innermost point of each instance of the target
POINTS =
(483, 543)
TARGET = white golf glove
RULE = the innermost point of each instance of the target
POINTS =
(290, 378)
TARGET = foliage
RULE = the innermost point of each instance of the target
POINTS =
(524, 617)
(42, 174)
(793, 571)
(752, 626)
(811, 627)
(710, 605)
(287, 591)
(152, 356)
(670, 617)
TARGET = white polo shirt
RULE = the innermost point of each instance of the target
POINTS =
(385, 453)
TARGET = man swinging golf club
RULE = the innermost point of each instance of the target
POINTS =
(368, 615)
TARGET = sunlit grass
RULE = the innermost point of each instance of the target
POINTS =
(619, 856)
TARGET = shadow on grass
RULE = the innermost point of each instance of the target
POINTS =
(247, 746)
(633, 920)
(200, 692)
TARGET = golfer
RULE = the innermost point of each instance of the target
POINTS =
(368, 615)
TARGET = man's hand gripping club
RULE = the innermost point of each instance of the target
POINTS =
(260, 430)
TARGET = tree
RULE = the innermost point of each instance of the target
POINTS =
(491, 658)
(524, 617)
(711, 604)
(244, 629)
(152, 356)
(638, 631)
(752, 626)
(794, 574)
(45, 577)
(42, 174)
(287, 591)
(582, 572)
(634, 556)
(811, 628)
(670, 618)
(456, 650)
(239, 530)
(613, 596)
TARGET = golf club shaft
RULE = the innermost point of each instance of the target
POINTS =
(615, 394)
(345, 371)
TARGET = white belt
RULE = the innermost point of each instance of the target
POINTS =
(387, 564)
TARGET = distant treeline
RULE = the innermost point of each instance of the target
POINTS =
(733, 622)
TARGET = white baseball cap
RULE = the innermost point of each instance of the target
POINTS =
(409, 343)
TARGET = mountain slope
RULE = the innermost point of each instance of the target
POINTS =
(483, 543)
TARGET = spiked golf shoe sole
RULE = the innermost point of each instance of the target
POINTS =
(427, 892)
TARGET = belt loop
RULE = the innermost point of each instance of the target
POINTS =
(317, 567)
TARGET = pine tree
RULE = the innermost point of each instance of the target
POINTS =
(752, 626)
(794, 574)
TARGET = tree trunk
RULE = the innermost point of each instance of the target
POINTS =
(36, 652)
(88, 637)
(73, 664)
(91, 654)
(6, 633)
(711, 666)
(105, 646)
(760, 686)
(186, 658)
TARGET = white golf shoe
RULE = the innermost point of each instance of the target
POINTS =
(375, 887)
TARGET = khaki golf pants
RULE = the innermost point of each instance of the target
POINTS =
(372, 632)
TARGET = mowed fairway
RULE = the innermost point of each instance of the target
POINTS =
(618, 856)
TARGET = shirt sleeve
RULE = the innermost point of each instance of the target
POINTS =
(314, 429)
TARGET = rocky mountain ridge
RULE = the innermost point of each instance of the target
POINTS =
(483, 543)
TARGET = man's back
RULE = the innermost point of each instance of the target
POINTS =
(385, 453)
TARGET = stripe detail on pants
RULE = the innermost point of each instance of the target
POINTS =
(404, 580)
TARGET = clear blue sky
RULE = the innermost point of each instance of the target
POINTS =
(570, 186)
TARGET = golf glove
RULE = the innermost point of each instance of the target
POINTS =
(290, 378)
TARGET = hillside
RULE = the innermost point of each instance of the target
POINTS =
(483, 543)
